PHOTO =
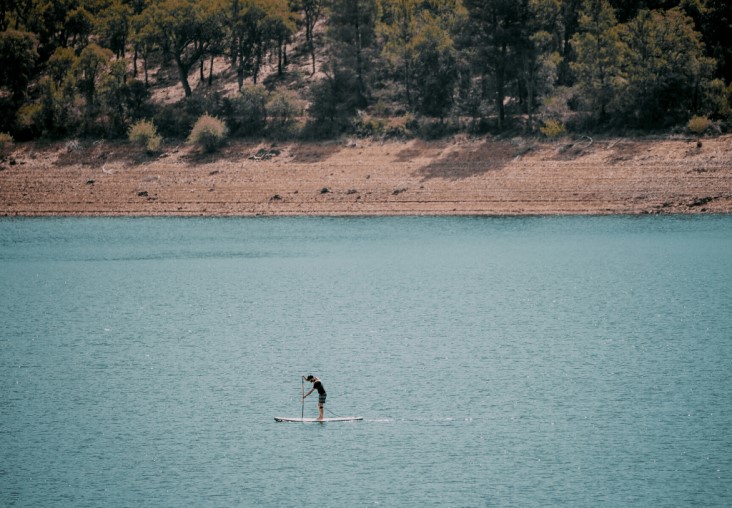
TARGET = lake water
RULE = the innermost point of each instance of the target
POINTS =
(571, 361)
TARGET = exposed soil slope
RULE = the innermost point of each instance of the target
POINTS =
(458, 176)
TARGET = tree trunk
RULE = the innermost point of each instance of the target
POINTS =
(501, 88)
(257, 64)
(210, 71)
(279, 58)
(183, 74)
(312, 54)
(240, 77)
(530, 93)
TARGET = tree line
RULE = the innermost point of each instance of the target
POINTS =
(372, 67)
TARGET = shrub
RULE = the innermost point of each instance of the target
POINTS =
(553, 129)
(699, 124)
(431, 128)
(209, 133)
(6, 144)
(246, 114)
(283, 108)
(137, 98)
(176, 120)
(29, 121)
(61, 111)
(145, 134)
(365, 126)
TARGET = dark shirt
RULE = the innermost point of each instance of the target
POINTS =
(319, 386)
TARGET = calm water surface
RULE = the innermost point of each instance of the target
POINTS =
(582, 361)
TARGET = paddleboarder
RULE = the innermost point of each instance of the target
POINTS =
(317, 385)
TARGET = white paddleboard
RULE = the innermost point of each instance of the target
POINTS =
(315, 420)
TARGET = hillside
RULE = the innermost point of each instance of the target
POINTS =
(310, 69)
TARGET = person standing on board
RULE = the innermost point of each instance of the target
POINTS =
(317, 385)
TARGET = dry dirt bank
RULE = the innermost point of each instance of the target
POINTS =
(458, 176)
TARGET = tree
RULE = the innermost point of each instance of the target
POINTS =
(279, 27)
(144, 38)
(113, 27)
(352, 34)
(599, 54)
(186, 29)
(398, 29)
(248, 41)
(332, 102)
(246, 114)
(312, 11)
(257, 25)
(567, 25)
(78, 26)
(90, 68)
(60, 64)
(665, 67)
(435, 70)
(58, 112)
(717, 34)
(58, 24)
(113, 93)
(495, 34)
(18, 58)
(539, 53)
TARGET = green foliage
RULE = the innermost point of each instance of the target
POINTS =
(665, 67)
(553, 129)
(61, 109)
(256, 26)
(176, 120)
(352, 34)
(60, 64)
(495, 40)
(699, 125)
(365, 126)
(208, 133)
(187, 30)
(435, 69)
(429, 128)
(312, 11)
(488, 64)
(599, 56)
(113, 26)
(78, 25)
(716, 99)
(283, 108)
(89, 70)
(246, 114)
(420, 51)
(29, 121)
(137, 99)
(332, 105)
(121, 100)
(6, 144)
(18, 58)
(144, 133)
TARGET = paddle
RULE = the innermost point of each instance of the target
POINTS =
(302, 383)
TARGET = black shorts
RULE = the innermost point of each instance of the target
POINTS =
(321, 398)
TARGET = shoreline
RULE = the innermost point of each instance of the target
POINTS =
(458, 176)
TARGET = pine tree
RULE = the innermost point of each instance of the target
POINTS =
(599, 56)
